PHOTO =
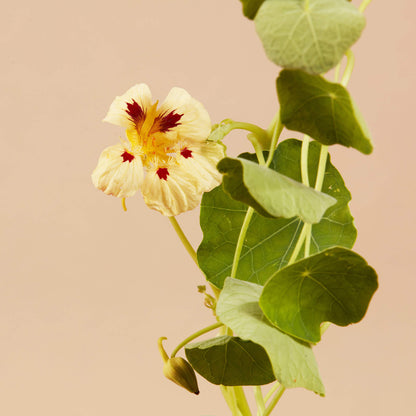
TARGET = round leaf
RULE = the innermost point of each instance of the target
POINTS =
(230, 361)
(335, 286)
(293, 361)
(322, 109)
(272, 194)
(270, 241)
(312, 35)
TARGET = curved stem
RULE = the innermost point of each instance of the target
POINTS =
(257, 147)
(304, 160)
(195, 335)
(364, 5)
(184, 240)
(276, 134)
(262, 136)
(240, 241)
(274, 401)
(348, 68)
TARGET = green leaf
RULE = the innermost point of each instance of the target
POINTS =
(312, 35)
(270, 193)
(231, 361)
(334, 286)
(322, 109)
(270, 241)
(250, 7)
(292, 361)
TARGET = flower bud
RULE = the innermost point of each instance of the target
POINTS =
(181, 372)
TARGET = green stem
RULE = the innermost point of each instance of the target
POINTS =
(240, 241)
(364, 5)
(241, 401)
(308, 236)
(304, 160)
(298, 245)
(271, 391)
(324, 327)
(261, 406)
(195, 335)
(321, 168)
(262, 136)
(276, 134)
(274, 401)
(183, 238)
(257, 147)
(273, 123)
(230, 400)
(348, 68)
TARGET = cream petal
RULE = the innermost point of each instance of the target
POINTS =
(117, 114)
(117, 177)
(172, 196)
(202, 164)
(195, 123)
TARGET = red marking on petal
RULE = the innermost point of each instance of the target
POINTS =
(127, 157)
(166, 121)
(135, 112)
(163, 173)
(186, 153)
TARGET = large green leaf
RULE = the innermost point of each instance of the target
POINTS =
(334, 286)
(231, 361)
(292, 361)
(250, 7)
(310, 35)
(270, 193)
(270, 242)
(322, 109)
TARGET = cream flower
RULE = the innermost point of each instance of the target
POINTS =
(167, 155)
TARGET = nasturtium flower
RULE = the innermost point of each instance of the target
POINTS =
(166, 155)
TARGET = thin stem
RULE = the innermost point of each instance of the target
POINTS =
(274, 401)
(196, 335)
(336, 72)
(321, 168)
(304, 160)
(276, 134)
(308, 240)
(364, 5)
(262, 136)
(271, 391)
(183, 238)
(241, 401)
(299, 245)
(348, 68)
(273, 123)
(324, 327)
(240, 240)
(230, 400)
(261, 406)
(257, 147)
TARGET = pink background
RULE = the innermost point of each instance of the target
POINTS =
(86, 289)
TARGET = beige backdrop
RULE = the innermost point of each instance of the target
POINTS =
(86, 289)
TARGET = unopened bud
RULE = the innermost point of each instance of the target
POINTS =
(181, 372)
(178, 370)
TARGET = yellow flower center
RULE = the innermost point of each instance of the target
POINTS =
(148, 137)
